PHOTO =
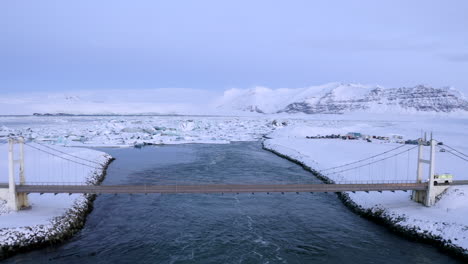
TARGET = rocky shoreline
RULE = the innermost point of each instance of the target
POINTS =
(60, 229)
(381, 217)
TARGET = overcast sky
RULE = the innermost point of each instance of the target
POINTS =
(68, 45)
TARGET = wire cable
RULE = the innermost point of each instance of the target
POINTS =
(354, 162)
(459, 152)
(54, 149)
(456, 155)
(366, 164)
(60, 156)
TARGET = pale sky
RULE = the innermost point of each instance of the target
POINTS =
(215, 45)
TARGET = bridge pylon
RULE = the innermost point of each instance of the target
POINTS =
(428, 196)
(15, 200)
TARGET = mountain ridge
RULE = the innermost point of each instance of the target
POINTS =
(338, 98)
(330, 98)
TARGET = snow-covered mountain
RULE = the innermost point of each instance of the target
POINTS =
(337, 98)
(109, 102)
(331, 98)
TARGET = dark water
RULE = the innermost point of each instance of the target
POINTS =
(215, 228)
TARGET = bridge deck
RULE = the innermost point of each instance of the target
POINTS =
(222, 188)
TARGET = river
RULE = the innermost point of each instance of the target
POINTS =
(229, 228)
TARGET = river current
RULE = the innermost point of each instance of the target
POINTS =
(229, 228)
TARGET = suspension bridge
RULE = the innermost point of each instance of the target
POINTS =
(69, 173)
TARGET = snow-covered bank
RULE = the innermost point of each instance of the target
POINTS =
(445, 220)
(445, 223)
(51, 217)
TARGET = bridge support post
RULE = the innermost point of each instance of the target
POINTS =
(22, 197)
(426, 197)
(430, 195)
(16, 200)
(419, 196)
(12, 201)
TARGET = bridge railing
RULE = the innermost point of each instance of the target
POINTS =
(376, 182)
(50, 183)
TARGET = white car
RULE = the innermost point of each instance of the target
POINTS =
(445, 178)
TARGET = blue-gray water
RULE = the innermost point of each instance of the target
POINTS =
(215, 228)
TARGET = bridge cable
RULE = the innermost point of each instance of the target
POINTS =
(119, 168)
(367, 164)
(54, 149)
(354, 162)
(54, 155)
(459, 152)
(456, 155)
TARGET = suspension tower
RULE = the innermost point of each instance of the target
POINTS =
(16, 201)
(427, 197)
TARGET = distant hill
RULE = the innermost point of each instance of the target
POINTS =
(332, 98)
(337, 98)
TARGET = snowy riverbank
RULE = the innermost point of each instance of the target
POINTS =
(51, 217)
(445, 223)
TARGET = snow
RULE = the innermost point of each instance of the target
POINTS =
(351, 91)
(67, 134)
(287, 135)
(43, 209)
(135, 101)
(47, 207)
(273, 100)
(338, 98)
(235, 101)
(446, 219)
(267, 99)
(135, 131)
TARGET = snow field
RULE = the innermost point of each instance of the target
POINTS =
(41, 167)
(136, 131)
(447, 219)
